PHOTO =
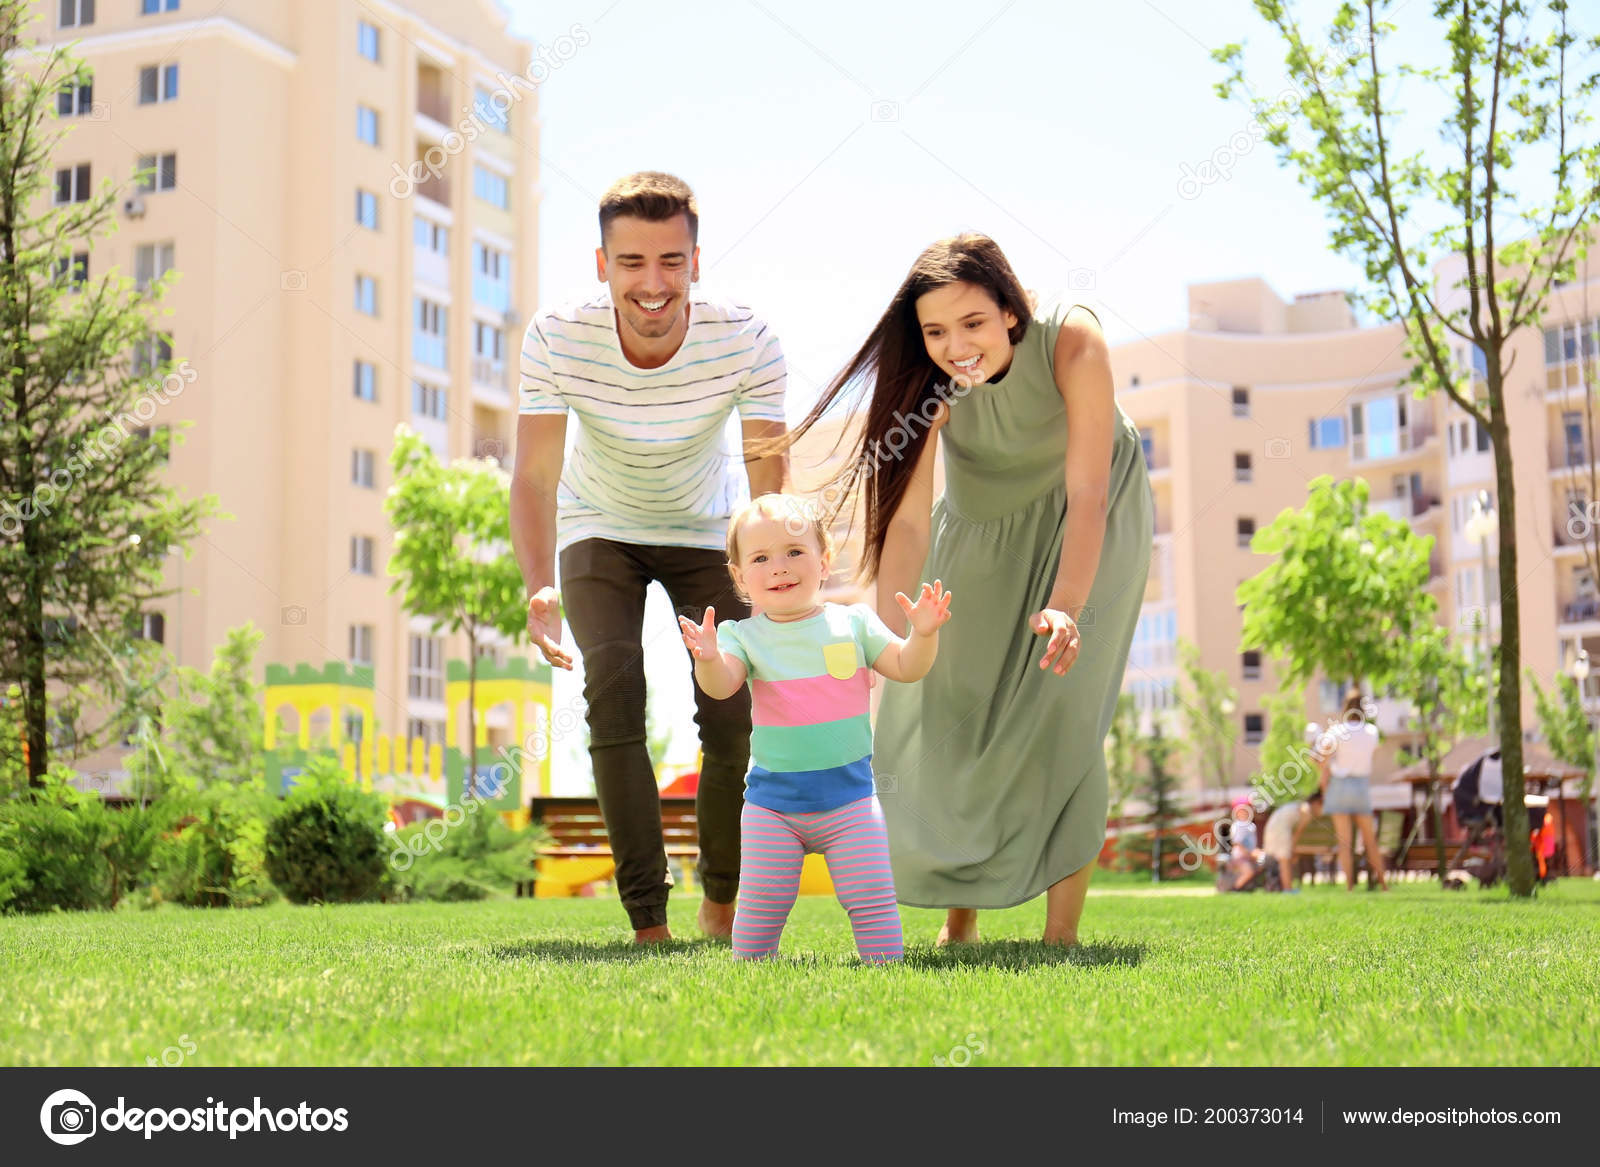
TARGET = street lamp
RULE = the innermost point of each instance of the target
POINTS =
(1483, 524)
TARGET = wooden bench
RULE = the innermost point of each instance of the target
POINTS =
(579, 852)
(1319, 839)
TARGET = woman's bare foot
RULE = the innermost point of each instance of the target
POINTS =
(1061, 936)
(960, 927)
(655, 935)
(716, 920)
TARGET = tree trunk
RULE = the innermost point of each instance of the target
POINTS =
(1435, 795)
(470, 785)
(1519, 857)
(34, 693)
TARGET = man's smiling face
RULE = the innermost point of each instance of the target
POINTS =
(650, 267)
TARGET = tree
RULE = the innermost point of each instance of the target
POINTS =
(82, 374)
(1122, 767)
(1160, 786)
(1571, 738)
(1451, 700)
(1342, 586)
(1208, 708)
(451, 558)
(1402, 214)
(1288, 769)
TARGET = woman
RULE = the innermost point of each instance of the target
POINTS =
(992, 768)
(1346, 790)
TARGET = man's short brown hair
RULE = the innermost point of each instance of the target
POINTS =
(653, 196)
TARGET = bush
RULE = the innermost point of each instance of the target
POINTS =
(325, 845)
(62, 848)
(469, 860)
(217, 855)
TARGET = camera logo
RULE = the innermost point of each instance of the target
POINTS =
(68, 1117)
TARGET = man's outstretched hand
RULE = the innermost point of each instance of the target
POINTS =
(544, 626)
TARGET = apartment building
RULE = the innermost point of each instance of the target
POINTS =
(1258, 396)
(347, 193)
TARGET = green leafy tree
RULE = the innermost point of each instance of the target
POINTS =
(1339, 589)
(1516, 90)
(452, 561)
(1287, 769)
(1122, 768)
(1208, 706)
(1571, 738)
(82, 375)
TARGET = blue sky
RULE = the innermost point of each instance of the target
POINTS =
(830, 142)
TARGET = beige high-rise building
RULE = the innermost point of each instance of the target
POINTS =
(348, 193)
(1258, 396)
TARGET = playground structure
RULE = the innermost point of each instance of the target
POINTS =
(412, 770)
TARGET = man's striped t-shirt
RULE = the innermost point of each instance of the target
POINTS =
(650, 463)
(811, 741)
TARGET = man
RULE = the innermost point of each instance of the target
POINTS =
(652, 372)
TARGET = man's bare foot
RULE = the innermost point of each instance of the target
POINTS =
(960, 927)
(655, 935)
(716, 920)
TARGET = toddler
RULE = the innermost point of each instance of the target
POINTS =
(810, 785)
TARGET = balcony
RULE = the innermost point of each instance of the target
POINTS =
(433, 94)
(428, 348)
(1390, 444)
(1409, 508)
(430, 267)
(435, 189)
(1581, 611)
(490, 293)
(489, 383)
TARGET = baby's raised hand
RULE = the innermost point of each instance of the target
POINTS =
(930, 611)
(700, 639)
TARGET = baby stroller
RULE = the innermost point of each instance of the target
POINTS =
(1478, 795)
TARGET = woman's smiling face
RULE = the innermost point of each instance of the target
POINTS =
(966, 332)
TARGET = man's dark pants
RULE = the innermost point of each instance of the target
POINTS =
(603, 585)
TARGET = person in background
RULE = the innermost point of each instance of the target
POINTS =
(1347, 788)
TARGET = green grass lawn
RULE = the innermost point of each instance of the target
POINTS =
(1171, 976)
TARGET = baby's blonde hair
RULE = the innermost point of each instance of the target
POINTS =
(795, 513)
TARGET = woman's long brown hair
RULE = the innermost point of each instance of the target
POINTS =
(904, 385)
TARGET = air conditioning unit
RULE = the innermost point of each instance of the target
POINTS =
(133, 207)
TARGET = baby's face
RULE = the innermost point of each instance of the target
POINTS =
(780, 567)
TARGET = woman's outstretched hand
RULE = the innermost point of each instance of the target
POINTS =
(930, 611)
(700, 639)
(1062, 650)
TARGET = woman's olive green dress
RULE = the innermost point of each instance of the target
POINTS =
(992, 770)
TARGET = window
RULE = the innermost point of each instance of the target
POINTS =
(151, 261)
(491, 277)
(151, 354)
(367, 40)
(430, 733)
(427, 401)
(361, 554)
(74, 271)
(367, 209)
(1254, 728)
(367, 295)
(151, 7)
(492, 188)
(430, 236)
(428, 337)
(1327, 433)
(361, 644)
(1250, 666)
(1583, 583)
(1330, 695)
(75, 101)
(352, 727)
(152, 626)
(1247, 531)
(361, 468)
(1241, 468)
(367, 124)
(75, 13)
(487, 341)
(366, 381)
(158, 172)
(1147, 443)
(72, 184)
(425, 673)
(1379, 428)
(1241, 401)
(1572, 428)
(158, 83)
(491, 112)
